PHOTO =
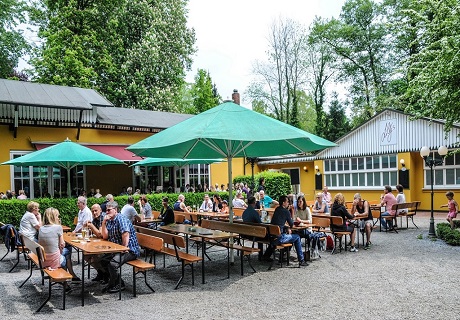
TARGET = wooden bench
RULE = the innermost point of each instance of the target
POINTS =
(251, 232)
(410, 211)
(55, 276)
(178, 243)
(180, 217)
(140, 266)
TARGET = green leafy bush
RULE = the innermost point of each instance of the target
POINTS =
(276, 183)
(451, 236)
(11, 211)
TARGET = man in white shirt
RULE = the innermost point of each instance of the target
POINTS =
(84, 215)
(129, 212)
(238, 202)
(207, 204)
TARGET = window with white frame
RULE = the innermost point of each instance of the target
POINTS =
(367, 172)
(198, 174)
(446, 175)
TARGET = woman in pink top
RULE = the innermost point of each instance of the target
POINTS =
(388, 200)
(453, 208)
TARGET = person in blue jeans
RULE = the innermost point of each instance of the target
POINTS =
(280, 217)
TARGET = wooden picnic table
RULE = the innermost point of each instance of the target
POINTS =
(95, 246)
(203, 233)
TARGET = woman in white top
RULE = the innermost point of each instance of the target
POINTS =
(303, 214)
(400, 198)
(52, 240)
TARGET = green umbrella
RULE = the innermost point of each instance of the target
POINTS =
(167, 162)
(66, 155)
(228, 131)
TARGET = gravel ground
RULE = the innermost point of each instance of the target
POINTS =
(400, 277)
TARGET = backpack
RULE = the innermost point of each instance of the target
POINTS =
(329, 243)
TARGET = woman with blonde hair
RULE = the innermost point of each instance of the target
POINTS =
(51, 238)
(339, 209)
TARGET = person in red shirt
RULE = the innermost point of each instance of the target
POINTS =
(387, 200)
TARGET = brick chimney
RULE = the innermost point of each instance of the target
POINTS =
(236, 96)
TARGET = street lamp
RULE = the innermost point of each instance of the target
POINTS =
(433, 162)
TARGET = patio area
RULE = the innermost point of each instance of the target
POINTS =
(400, 277)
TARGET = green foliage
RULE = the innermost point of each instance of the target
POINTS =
(336, 121)
(11, 211)
(12, 43)
(204, 94)
(276, 183)
(434, 68)
(133, 52)
(450, 236)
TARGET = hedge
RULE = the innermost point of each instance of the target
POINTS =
(276, 183)
(11, 211)
(450, 236)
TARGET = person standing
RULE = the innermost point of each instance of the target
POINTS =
(117, 229)
(388, 200)
(453, 208)
(281, 217)
(31, 221)
(261, 184)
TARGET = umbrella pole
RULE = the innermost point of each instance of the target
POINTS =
(68, 183)
(230, 202)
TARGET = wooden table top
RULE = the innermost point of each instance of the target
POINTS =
(197, 231)
(94, 246)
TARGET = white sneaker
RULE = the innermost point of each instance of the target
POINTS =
(353, 249)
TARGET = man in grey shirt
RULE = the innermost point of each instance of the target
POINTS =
(130, 212)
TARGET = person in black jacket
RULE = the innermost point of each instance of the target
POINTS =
(166, 213)
(338, 209)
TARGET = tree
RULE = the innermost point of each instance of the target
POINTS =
(204, 93)
(337, 124)
(12, 42)
(360, 40)
(134, 52)
(433, 69)
(320, 61)
(280, 79)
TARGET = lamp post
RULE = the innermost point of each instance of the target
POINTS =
(432, 162)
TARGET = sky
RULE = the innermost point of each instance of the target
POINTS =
(231, 35)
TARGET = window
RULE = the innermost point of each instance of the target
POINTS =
(371, 172)
(446, 175)
(38, 182)
(198, 174)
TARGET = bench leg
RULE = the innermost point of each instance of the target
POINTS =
(182, 276)
(48, 298)
(145, 279)
(30, 274)
(8, 251)
(412, 219)
(134, 282)
(250, 264)
(17, 261)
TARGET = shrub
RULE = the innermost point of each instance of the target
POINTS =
(11, 211)
(450, 236)
(276, 183)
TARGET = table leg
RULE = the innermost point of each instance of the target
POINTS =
(203, 254)
(83, 279)
(119, 277)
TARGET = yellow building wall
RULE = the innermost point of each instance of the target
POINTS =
(108, 178)
(219, 171)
